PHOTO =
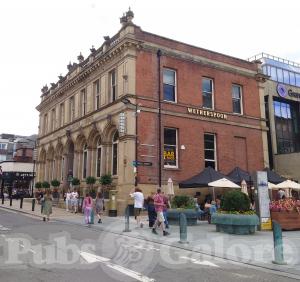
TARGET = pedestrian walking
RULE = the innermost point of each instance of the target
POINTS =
(165, 209)
(68, 199)
(74, 201)
(159, 207)
(99, 206)
(87, 207)
(138, 205)
(47, 205)
(151, 210)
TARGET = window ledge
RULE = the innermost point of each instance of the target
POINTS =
(172, 168)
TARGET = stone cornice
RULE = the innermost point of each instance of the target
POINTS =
(123, 44)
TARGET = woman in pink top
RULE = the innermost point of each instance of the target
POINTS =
(87, 207)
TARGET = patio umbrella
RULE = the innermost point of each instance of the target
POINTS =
(273, 177)
(238, 175)
(288, 185)
(202, 179)
(223, 183)
(272, 186)
(170, 188)
(244, 187)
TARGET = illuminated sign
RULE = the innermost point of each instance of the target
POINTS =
(206, 113)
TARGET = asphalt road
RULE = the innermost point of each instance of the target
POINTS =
(32, 250)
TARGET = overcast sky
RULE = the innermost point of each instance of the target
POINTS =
(40, 37)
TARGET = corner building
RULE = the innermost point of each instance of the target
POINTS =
(172, 107)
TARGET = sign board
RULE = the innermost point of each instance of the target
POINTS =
(139, 163)
(263, 200)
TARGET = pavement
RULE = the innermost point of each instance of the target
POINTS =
(253, 250)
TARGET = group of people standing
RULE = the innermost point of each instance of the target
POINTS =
(72, 200)
(156, 205)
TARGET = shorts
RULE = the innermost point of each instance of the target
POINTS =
(160, 216)
(137, 211)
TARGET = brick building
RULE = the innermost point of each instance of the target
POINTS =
(173, 107)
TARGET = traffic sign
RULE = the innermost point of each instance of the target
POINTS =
(139, 163)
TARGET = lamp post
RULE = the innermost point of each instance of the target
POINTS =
(126, 101)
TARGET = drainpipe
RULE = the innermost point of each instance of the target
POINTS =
(159, 117)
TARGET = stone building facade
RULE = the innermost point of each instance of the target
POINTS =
(172, 107)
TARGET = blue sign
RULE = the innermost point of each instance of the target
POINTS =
(281, 90)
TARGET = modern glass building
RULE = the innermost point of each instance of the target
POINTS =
(282, 111)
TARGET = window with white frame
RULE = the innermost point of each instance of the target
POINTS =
(97, 94)
(83, 102)
(237, 99)
(170, 147)
(210, 150)
(84, 161)
(207, 93)
(115, 153)
(113, 85)
(71, 109)
(169, 82)
(61, 114)
(98, 158)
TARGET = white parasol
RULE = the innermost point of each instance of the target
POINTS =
(223, 183)
(244, 187)
(170, 188)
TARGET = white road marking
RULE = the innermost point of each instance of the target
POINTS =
(2, 228)
(148, 248)
(91, 258)
(203, 262)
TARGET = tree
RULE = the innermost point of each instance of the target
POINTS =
(38, 185)
(46, 184)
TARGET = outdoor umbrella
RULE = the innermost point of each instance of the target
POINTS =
(202, 179)
(170, 188)
(223, 183)
(273, 177)
(272, 186)
(238, 175)
(244, 187)
(288, 185)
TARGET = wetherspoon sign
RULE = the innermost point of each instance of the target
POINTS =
(206, 113)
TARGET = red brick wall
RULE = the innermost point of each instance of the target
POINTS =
(191, 130)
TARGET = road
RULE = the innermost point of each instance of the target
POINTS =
(32, 250)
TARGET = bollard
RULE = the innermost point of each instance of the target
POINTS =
(2, 199)
(21, 202)
(10, 201)
(127, 220)
(33, 205)
(278, 245)
(183, 229)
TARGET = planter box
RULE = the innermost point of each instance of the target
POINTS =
(287, 220)
(173, 216)
(235, 223)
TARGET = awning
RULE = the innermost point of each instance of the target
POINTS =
(202, 179)
(238, 175)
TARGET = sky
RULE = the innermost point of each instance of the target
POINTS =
(40, 37)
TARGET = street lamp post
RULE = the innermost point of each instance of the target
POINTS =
(126, 101)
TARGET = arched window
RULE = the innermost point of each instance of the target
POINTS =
(115, 154)
(84, 163)
(98, 158)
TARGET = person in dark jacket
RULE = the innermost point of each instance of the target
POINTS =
(151, 210)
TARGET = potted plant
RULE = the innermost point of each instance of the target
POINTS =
(75, 183)
(235, 215)
(91, 180)
(182, 204)
(55, 183)
(287, 213)
(46, 184)
(106, 181)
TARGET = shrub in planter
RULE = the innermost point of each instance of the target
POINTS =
(38, 185)
(75, 181)
(182, 204)
(55, 183)
(106, 181)
(45, 184)
(235, 216)
(91, 180)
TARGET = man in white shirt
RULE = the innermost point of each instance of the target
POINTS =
(74, 200)
(138, 205)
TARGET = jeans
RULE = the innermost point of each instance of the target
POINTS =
(166, 219)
